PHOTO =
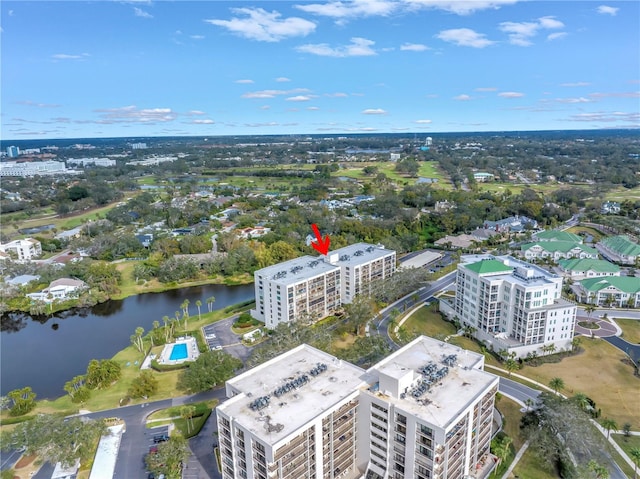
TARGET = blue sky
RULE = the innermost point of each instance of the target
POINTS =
(107, 69)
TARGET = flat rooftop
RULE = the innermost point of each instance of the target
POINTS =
(446, 398)
(358, 253)
(301, 404)
(515, 270)
(298, 269)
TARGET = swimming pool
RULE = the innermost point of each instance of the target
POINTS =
(179, 351)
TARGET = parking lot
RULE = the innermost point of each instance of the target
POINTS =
(219, 336)
(211, 338)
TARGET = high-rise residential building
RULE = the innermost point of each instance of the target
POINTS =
(317, 287)
(512, 305)
(13, 151)
(424, 412)
(139, 146)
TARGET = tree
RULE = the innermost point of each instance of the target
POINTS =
(626, 429)
(634, 454)
(511, 365)
(55, 438)
(144, 386)
(169, 458)
(102, 373)
(359, 312)
(209, 370)
(198, 305)
(77, 390)
(556, 384)
(187, 413)
(501, 448)
(136, 339)
(185, 308)
(556, 426)
(210, 301)
(167, 336)
(609, 424)
(599, 471)
(589, 309)
(575, 342)
(24, 400)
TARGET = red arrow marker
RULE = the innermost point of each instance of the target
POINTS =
(322, 245)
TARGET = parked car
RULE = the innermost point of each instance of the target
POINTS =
(160, 438)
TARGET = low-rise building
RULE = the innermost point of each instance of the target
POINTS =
(557, 250)
(610, 208)
(588, 268)
(423, 412)
(556, 235)
(22, 250)
(619, 249)
(512, 224)
(34, 168)
(620, 291)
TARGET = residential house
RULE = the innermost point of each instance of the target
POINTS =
(620, 291)
(610, 208)
(557, 250)
(556, 235)
(512, 224)
(60, 289)
(588, 268)
(619, 249)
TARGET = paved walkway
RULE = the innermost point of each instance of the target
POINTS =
(605, 330)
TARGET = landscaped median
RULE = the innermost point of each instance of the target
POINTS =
(188, 419)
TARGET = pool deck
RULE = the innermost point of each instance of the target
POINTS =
(163, 358)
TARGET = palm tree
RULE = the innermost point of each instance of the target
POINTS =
(609, 424)
(634, 454)
(210, 302)
(511, 365)
(551, 348)
(501, 450)
(185, 308)
(187, 413)
(165, 320)
(600, 471)
(556, 384)
(582, 401)
(575, 342)
(198, 304)
(589, 309)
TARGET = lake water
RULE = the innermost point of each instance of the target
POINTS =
(45, 355)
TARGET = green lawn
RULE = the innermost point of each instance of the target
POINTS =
(530, 467)
(511, 414)
(622, 194)
(627, 443)
(599, 373)
(630, 329)
(428, 321)
(597, 235)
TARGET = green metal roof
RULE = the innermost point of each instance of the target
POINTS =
(554, 235)
(563, 246)
(622, 245)
(627, 284)
(489, 266)
(588, 264)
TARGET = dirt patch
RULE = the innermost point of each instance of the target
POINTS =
(25, 461)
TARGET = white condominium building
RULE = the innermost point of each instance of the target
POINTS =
(25, 249)
(424, 412)
(511, 304)
(12, 168)
(317, 287)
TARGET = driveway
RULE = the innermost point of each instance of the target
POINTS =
(229, 341)
(605, 330)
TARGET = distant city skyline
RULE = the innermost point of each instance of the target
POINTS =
(142, 68)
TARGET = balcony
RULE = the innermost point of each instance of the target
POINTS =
(484, 467)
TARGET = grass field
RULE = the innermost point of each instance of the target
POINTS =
(530, 467)
(599, 373)
(627, 443)
(511, 416)
(597, 235)
(428, 321)
(622, 194)
(630, 330)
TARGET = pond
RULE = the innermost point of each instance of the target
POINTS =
(46, 352)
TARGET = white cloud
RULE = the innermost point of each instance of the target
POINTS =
(337, 95)
(521, 33)
(138, 12)
(374, 111)
(65, 56)
(464, 37)
(11, 13)
(574, 100)
(607, 117)
(352, 9)
(626, 94)
(359, 47)
(413, 47)
(462, 98)
(299, 98)
(313, 108)
(131, 114)
(423, 122)
(575, 84)
(282, 79)
(273, 93)
(265, 107)
(510, 94)
(195, 113)
(460, 7)
(260, 25)
(202, 122)
(197, 37)
(38, 105)
(244, 81)
(606, 10)
(485, 89)
(556, 36)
